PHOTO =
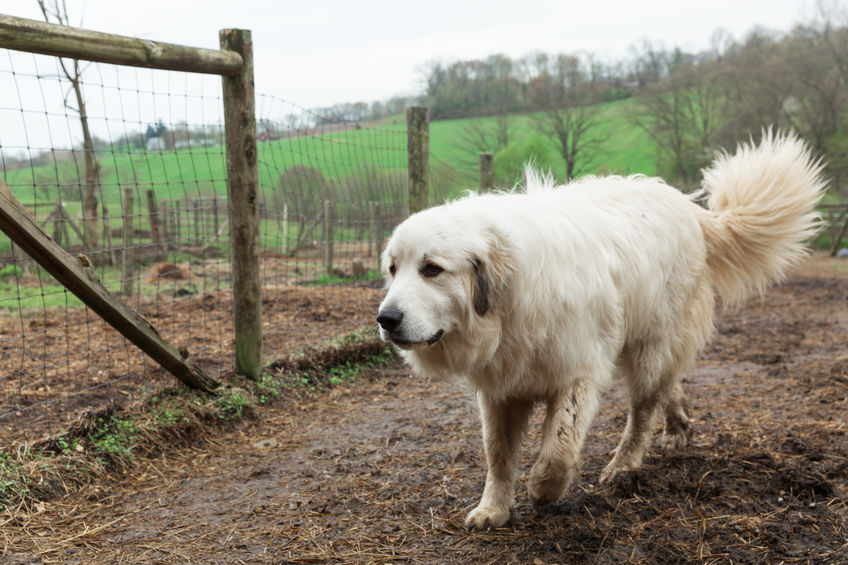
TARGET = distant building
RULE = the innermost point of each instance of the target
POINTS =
(155, 144)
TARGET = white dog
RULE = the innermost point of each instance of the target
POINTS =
(542, 296)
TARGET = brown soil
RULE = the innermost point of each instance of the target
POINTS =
(383, 470)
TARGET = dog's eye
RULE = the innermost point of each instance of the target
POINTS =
(431, 270)
(392, 270)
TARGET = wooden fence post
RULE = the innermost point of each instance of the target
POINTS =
(372, 230)
(285, 228)
(127, 251)
(196, 204)
(243, 201)
(177, 222)
(155, 233)
(215, 221)
(165, 224)
(59, 228)
(487, 171)
(107, 236)
(418, 149)
(328, 237)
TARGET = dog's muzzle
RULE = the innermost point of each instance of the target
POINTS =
(390, 320)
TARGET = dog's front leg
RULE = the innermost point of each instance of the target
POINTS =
(568, 418)
(504, 423)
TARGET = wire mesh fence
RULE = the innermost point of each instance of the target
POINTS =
(135, 180)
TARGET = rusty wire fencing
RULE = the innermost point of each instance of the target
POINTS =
(139, 187)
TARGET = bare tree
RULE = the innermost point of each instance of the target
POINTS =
(568, 115)
(57, 11)
(575, 130)
(831, 21)
(483, 136)
(683, 113)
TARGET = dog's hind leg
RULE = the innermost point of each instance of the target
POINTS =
(676, 433)
(504, 424)
(636, 438)
(568, 418)
(649, 380)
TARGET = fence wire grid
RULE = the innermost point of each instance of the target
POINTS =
(147, 205)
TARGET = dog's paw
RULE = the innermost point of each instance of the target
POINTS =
(671, 442)
(677, 429)
(486, 517)
(546, 487)
(614, 469)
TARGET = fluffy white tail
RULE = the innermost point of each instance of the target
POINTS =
(761, 209)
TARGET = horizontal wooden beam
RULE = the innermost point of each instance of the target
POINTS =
(64, 41)
(78, 277)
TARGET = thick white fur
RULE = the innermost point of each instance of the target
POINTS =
(544, 295)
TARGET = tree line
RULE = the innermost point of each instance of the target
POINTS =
(690, 104)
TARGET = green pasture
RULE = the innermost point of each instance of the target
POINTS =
(356, 152)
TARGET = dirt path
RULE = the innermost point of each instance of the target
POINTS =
(384, 469)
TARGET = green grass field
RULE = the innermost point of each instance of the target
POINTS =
(191, 172)
(354, 165)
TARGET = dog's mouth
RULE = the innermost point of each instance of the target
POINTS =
(406, 344)
(435, 337)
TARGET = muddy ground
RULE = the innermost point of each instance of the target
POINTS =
(383, 469)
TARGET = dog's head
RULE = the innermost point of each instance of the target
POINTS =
(442, 272)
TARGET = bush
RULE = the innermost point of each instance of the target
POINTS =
(510, 161)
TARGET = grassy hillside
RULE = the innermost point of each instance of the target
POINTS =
(348, 159)
(628, 149)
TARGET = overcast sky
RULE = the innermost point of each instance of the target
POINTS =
(321, 52)
(315, 53)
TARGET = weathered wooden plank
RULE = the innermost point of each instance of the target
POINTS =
(77, 276)
(65, 41)
(243, 203)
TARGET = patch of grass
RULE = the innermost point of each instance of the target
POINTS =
(14, 483)
(167, 416)
(233, 402)
(365, 334)
(269, 387)
(382, 358)
(113, 439)
(11, 271)
(328, 279)
(346, 372)
(341, 359)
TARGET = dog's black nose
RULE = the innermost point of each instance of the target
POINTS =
(389, 318)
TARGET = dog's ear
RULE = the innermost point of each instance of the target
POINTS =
(492, 272)
(480, 295)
